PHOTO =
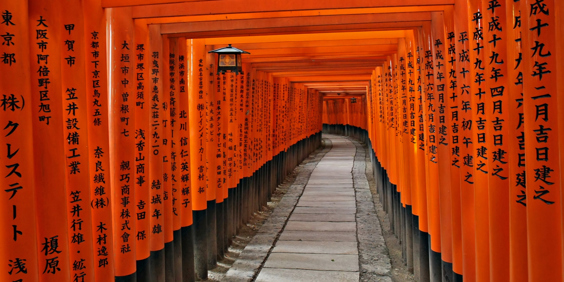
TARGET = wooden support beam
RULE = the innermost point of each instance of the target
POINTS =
(127, 3)
(305, 79)
(321, 51)
(261, 6)
(293, 22)
(285, 38)
(374, 27)
(313, 43)
(314, 60)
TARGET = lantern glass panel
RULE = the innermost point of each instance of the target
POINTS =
(227, 60)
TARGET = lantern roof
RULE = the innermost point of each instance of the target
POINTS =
(229, 49)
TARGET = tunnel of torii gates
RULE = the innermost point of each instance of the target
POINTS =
(125, 156)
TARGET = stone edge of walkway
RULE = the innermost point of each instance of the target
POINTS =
(374, 259)
(250, 262)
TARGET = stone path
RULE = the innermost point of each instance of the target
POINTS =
(316, 234)
(319, 241)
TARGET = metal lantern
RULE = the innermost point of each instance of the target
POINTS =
(229, 58)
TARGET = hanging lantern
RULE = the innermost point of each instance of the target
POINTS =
(353, 100)
(229, 58)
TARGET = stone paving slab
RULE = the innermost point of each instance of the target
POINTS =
(324, 210)
(320, 226)
(300, 275)
(330, 187)
(316, 247)
(327, 204)
(319, 192)
(313, 261)
(329, 217)
(334, 236)
(327, 198)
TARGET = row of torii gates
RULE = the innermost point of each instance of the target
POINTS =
(126, 156)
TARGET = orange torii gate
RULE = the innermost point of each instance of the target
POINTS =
(121, 146)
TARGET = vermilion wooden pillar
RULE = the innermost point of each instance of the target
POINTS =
(21, 248)
(518, 269)
(143, 148)
(540, 101)
(196, 103)
(122, 140)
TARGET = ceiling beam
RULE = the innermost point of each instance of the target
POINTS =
(352, 58)
(286, 38)
(293, 22)
(317, 43)
(261, 6)
(329, 78)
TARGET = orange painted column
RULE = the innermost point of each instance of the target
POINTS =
(431, 111)
(421, 207)
(276, 101)
(231, 128)
(174, 86)
(242, 83)
(184, 135)
(411, 113)
(392, 122)
(479, 124)
(261, 150)
(497, 131)
(540, 101)
(157, 137)
(224, 135)
(405, 116)
(75, 130)
(219, 139)
(264, 119)
(166, 148)
(197, 113)
(452, 137)
(19, 256)
(211, 129)
(518, 269)
(48, 148)
(440, 49)
(559, 15)
(464, 109)
(270, 120)
(122, 154)
(399, 98)
(143, 148)
(98, 136)
(246, 122)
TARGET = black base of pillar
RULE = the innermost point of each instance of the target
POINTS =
(129, 278)
(448, 273)
(169, 261)
(212, 234)
(200, 244)
(157, 261)
(143, 270)
(435, 264)
(230, 219)
(188, 273)
(458, 277)
(416, 248)
(424, 249)
(177, 246)
(409, 237)
(220, 230)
